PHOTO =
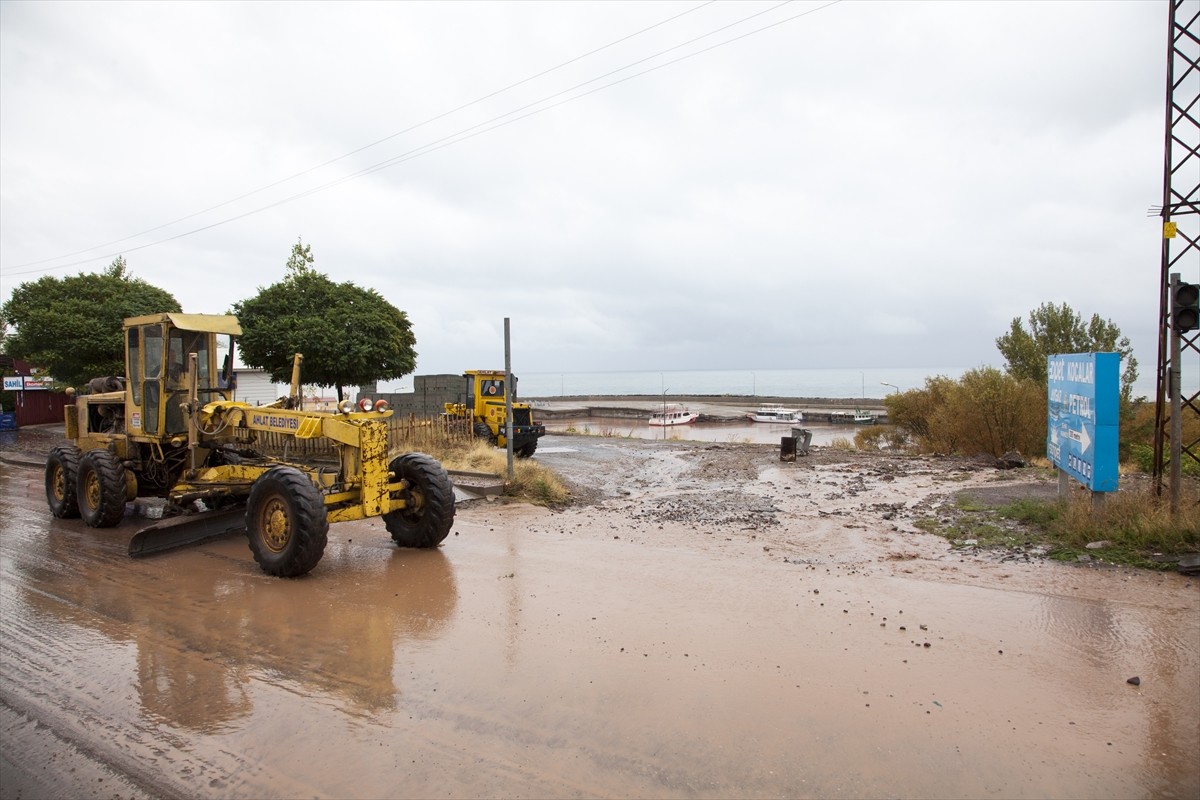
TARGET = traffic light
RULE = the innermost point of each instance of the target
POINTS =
(1185, 307)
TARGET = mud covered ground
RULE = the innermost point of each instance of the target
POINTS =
(704, 621)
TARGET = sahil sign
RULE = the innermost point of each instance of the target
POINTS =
(1081, 429)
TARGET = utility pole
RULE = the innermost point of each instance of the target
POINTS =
(1180, 212)
(508, 393)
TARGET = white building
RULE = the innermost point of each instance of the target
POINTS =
(255, 387)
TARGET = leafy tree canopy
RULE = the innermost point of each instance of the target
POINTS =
(71, 327)
(348, 335)
(1059, 329)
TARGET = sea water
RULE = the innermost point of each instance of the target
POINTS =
(832, 383)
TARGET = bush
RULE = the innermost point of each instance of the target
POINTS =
(878, 437)
(1142, 457)
(986, 411)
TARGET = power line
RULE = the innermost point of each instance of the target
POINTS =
(355, 151)
(461, 135)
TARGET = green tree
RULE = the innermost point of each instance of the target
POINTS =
(71, 327)
(1059, 329)
(348, 335)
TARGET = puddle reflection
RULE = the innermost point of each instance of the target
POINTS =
(201, 637)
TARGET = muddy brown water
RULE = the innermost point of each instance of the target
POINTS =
(729, 432)
(711, 624)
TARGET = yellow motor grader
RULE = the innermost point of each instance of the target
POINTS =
(172, 429)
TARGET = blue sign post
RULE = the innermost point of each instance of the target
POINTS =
(1081, 428)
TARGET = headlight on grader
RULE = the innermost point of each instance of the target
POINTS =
(382, 405)
(364, 403)
(346, 406)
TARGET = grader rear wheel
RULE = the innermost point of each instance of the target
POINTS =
(101, 489)
(426, 519)
(286, 522)
(62, 467)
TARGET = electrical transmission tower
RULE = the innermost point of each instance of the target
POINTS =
(1179, 347)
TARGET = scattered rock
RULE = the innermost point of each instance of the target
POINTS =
(1010, 460)
(1134, 681)
(1098, 545)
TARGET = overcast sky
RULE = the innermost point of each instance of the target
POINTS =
(861, 184)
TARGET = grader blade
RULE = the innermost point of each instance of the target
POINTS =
(175, 532)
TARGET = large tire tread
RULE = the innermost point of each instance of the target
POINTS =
(62, 469)
(286, 495)
(101, 489)
(428, 521)
(482, 431)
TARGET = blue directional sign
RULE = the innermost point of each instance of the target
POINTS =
(1081, 427)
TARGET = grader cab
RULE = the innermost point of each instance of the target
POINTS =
(171, 428)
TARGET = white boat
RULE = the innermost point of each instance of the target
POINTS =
(673, 414)
(778, 414)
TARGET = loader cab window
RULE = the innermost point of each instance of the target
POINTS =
(491, 388)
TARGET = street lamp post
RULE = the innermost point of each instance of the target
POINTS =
(894, 386)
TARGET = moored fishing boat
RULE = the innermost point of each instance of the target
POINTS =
(777, 413)
(855, 417)
(673, 414)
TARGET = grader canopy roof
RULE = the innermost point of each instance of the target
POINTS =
(211, 323)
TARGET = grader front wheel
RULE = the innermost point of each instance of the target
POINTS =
(429, 512)
(286, 522)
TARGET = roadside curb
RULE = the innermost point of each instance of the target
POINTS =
(21, 462)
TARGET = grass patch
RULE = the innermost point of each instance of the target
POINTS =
(1135, 525)
(605, 432)
(976, 529)
(532, 482)
(841, 443)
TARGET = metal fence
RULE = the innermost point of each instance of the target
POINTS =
(406, 434)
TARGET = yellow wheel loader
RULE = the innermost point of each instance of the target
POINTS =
(171, 429)
(483, 404)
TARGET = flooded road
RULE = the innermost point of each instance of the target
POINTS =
(615, 649)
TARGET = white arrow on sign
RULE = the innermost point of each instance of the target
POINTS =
(1080, 436)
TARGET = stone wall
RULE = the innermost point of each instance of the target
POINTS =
(429, 395)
